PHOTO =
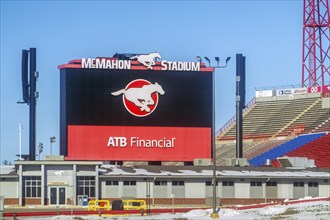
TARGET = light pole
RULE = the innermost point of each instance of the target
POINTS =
(40, 149)
(52, 140)
(265, 189)
(147, 179)
(173, 197)
(214, 158)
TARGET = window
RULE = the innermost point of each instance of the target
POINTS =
(160, 183)
(129, 183)
(209, 183)
(86, 185)
(178, 183)
(32, 186)
(271, 183)
(111, 183)
(298, 184)
(228, 183)
(256, 183)
(313, 184)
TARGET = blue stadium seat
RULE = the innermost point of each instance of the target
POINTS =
(285, 148)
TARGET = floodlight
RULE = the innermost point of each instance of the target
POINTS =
(208, 60)
(217, 59)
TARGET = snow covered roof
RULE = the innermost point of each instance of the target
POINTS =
(207, 171)
(7, 169)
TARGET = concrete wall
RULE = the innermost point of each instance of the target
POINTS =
(141, 186)
(178, 191)
(109, 191)
(54, 176)
(324, 188)
(160, 191)
(32, 170)
(209, 191)
(59, 174)
(84, 170)
(284, 189)
(195, 189)
(326, 102)
(242, 188)
(9, 187)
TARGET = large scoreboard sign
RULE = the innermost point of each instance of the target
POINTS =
(135, 109)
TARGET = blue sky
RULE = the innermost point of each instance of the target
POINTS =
(268, 33)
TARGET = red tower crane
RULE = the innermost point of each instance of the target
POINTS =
(316, 43)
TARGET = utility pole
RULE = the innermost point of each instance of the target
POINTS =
(214, 158)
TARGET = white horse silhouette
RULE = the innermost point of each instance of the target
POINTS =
(141, 97)
(147, 59)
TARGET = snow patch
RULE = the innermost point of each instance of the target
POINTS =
(197, 213)
(272, 210)
(117, 170)
(228, 213)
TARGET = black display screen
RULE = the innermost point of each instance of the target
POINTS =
(86, 98)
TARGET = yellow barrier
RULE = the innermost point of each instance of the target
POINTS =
(135, 204)
(94, 205)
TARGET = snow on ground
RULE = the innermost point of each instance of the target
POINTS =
(110, 170)
(303, 211)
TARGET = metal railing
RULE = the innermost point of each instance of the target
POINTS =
(233, 119)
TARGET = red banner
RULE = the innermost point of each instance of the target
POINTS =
(317, 89)
(138, 143)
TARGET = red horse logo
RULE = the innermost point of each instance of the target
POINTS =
(140, 97)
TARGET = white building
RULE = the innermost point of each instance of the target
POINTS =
(51, 182)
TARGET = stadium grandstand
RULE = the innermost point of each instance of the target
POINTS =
(283, 122)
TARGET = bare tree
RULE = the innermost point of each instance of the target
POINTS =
(6, 162)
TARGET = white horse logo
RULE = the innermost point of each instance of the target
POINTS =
(147, 60)
(141, 97)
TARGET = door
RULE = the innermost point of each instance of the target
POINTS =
(57, 195)
(61, 195)
(53, 196)
(298, 190)
(313, 189)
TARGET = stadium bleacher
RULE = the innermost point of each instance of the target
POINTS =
(317, 150)
(270, 122)
(284, 149)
